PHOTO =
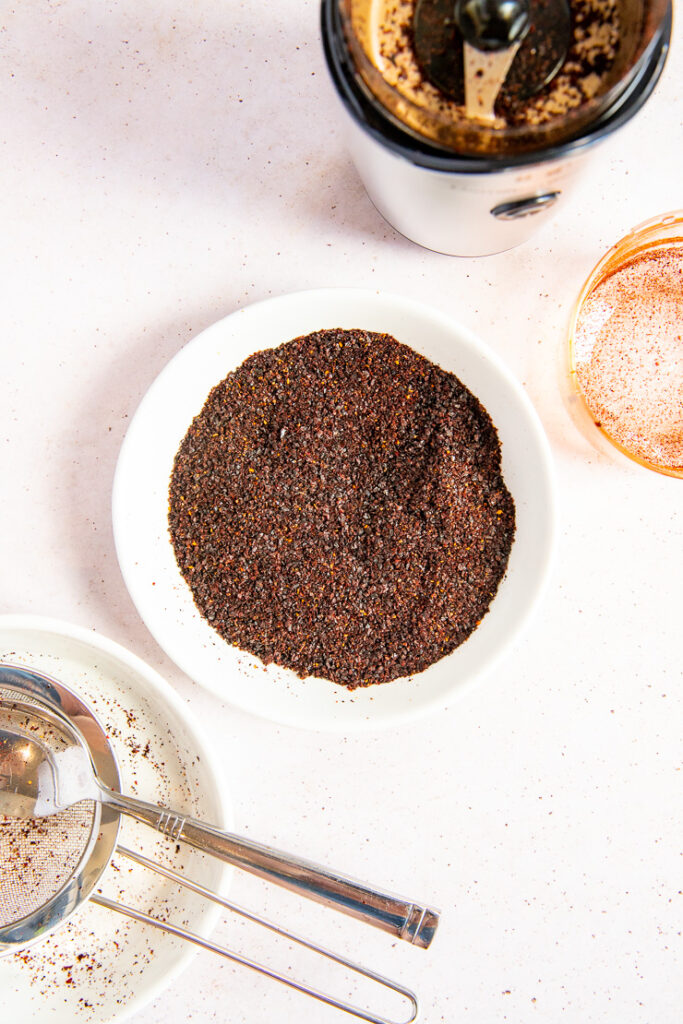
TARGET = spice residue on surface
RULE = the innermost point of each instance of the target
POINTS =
(628, 356)
(337, 507)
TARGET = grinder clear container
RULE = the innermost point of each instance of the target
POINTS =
(625, 31)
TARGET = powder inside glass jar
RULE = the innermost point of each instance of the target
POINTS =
(628, 356)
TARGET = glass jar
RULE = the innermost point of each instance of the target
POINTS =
(626, 346)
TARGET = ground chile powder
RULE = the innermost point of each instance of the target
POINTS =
(337, 507)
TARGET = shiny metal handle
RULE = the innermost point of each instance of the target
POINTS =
(409, 921)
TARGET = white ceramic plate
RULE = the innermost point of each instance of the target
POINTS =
(115, 965)
(140, 506)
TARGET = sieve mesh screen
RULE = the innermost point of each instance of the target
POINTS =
(39, 856)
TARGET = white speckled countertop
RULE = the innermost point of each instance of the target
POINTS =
(163, 165)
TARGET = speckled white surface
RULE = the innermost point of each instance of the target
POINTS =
(161, 166)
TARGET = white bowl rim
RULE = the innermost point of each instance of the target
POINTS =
(217, 791)
(303, 303)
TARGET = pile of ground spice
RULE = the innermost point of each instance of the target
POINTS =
(337, 507)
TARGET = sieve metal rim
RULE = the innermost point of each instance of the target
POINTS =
(35, 686)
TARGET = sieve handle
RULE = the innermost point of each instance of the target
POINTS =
(403, 918)
(204, 943)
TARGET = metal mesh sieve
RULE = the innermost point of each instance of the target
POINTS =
(41, 858)
(50, 866)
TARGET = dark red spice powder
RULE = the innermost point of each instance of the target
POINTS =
(337, 507)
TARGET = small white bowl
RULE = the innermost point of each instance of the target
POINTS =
(120, 976)
(163, 599)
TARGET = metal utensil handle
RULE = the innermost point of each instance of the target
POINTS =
(213, 947)
(407, 920)
(209, 894)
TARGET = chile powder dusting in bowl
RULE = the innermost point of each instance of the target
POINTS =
(337, 507)
(627, 353)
